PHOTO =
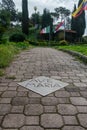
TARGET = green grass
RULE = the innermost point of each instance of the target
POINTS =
(7, 52)
(78, 48)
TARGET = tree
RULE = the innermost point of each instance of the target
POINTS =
(47, 21)
(74, 21)
(62, 12)
(35, 18)
(46, 18)
(19, 16)
(25, 20)
(81, 22)
(9, 6)
(4, 22)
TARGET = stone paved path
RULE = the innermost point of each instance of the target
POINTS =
(66, 109)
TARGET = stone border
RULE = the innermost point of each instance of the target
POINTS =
(74, 53)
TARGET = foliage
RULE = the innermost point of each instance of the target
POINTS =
(6, 54)
(35, 19)
(7, 11)
(62, 11)
(19, 16)
(17, 37)
(46, 18)
(43, 43)
(2, 30)
(8, 51)
(78, 48)
(4, 18)
(63, 42)
(9, 6)
(4, 40)
(25, 21)
(22, 45)
(4, 22)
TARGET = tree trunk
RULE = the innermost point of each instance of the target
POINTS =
(25, 21)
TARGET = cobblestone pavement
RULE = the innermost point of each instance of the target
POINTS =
(65, 109)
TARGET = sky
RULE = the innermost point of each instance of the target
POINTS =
(49, 4)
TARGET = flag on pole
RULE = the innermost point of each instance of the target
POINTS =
(82, 6)
(45, 30)
(85, 5)
(60, 26)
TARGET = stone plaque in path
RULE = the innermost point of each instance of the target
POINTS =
(43, 85)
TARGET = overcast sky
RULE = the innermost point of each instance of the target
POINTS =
(49, 4)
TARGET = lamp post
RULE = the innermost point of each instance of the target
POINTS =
(35, 9)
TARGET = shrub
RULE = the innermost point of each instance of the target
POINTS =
(17, 37)
(2, 30)
(63, 42)
(6, 54)
(22, 45)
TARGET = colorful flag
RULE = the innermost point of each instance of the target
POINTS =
(45, 30)
(82, 6)
(85, 5)
(60, 26)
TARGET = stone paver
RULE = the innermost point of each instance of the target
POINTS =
(50, 109)
(83, 119)
(20, 101)
(17, 109)
(73, 128)
(62, 94)
(49, 101)
(65, 109)
(32, 120)
(51, 121)
(13, 121)
(4, 109)
(9, 94)
(70, 120)
(31, 128)
(78, 101)
(33, 109)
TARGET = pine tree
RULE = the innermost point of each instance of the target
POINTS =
(81, 23)
(46, 18)
(25, 20)
(73, 21)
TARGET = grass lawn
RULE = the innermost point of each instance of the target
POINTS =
(78, 48)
